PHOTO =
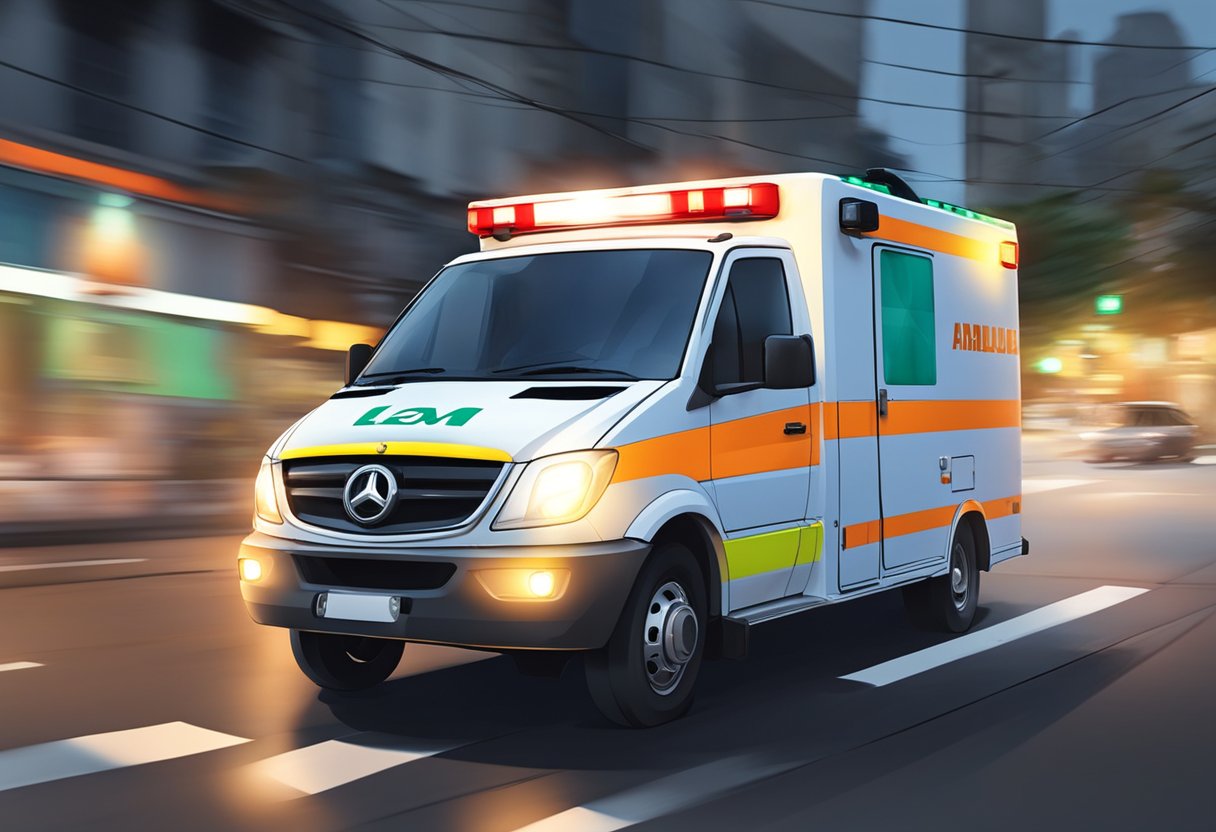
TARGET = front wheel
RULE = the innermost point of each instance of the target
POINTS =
(949, 602)
(345, 663)
(645, 675)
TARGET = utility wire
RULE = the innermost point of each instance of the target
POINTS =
(150, 113)
(968, 31)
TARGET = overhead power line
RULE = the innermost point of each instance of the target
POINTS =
(968, 31)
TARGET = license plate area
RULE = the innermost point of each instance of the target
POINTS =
(358, 606)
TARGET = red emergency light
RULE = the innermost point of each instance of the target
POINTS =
(743, 202)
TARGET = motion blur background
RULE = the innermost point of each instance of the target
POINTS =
(203, 202)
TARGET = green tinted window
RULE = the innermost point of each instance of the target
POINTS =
(909, 354)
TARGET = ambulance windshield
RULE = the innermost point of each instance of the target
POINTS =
(610, 314)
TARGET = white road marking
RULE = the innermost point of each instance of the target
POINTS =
(18, 666)
(1204, 460)
(65, 564)
(659, 797)
(1051, 615)
(103, 752)
(1036, 485)
(327, 765)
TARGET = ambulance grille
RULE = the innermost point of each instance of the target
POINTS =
(432, 492)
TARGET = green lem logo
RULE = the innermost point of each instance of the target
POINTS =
(418, 416)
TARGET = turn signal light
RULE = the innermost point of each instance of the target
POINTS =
(756, 201)
(1009, 254)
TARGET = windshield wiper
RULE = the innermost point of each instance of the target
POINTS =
(568, 368)
(397, 376)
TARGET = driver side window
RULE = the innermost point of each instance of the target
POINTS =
(756, 304)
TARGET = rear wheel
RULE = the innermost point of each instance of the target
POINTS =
(340, 662)
(645, 675)
(948, 602)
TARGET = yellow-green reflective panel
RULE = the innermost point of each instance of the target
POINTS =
(754, 555)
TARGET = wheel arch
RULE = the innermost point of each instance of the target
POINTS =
(972, 513)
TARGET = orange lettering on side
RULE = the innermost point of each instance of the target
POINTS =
(958, 337)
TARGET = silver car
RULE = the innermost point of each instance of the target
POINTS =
(1141, 432)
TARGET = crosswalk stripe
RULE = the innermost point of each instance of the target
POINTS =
(18, 666)
(1043, 618)
(327, 765)
(659, 797)
(103, 752)
(66, 564)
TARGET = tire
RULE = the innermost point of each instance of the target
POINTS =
(345, 663)
(646, 674)
(948, 603)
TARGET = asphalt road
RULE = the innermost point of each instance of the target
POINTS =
(1102, 719)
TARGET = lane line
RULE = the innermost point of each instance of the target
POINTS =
(1043, 618)
(659, 797)
(18, 666)
(64, 564)
(103, 752)
(327, 765)
(1037, 486)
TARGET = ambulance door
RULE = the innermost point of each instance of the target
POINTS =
(852, 419)
(914, 529)
(760, 439)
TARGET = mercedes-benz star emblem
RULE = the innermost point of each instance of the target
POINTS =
(370, 494)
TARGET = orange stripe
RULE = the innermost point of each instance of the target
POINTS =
(685, 452)
(872, 531)
(57, 164)
(922, 236)
(930, 416)
(856, 419)
(757, 444)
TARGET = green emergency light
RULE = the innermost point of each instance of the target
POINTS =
(1109, 305)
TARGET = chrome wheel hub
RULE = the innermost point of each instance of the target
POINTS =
(959, 577)
(669, 637)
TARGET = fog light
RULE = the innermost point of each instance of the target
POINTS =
(250, 569)
(524, 584)
(541, 584)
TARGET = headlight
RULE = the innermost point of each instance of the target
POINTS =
(557, 489)
(265, 504)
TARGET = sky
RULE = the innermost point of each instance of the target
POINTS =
(932, 141)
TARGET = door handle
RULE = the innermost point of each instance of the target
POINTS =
(882, 401)
(794, 428)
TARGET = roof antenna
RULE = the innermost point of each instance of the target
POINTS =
(897, 186)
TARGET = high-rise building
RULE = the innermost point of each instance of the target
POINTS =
(1013, 96)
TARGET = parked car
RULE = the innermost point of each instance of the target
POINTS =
(1142, 432)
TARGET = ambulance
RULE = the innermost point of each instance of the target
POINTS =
(640, 421)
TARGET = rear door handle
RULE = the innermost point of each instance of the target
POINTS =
(882, 401)
(794, 428)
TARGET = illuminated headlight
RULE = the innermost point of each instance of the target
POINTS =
(557, 489)
(265, 504)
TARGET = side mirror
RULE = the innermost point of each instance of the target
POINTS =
(858, 216)
(789, 362)
(356, 360)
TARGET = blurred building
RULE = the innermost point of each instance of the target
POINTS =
(1147, 106)
(202, 202)
(1017, 93)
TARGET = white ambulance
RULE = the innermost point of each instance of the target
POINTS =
(641, 420)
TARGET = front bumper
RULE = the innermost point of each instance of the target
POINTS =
(460, 612)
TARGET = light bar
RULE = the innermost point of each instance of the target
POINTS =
(745, 202)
